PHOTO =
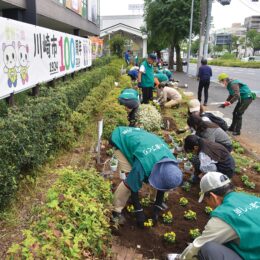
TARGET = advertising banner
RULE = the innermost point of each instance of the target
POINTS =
(96, 47)
(30, 55)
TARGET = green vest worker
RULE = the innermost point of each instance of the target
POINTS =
(161, 77)
(233, 231)
(146, 78)
(158, 78)
(237, 91)
(148, 159)
(130, 99)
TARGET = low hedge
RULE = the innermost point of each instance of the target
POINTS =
(231, 63)
(42, 126)
(234, 63)
(74, 224)
(111, 111)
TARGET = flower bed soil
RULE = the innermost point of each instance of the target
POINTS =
(149, 241)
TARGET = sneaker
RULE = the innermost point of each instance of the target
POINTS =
(236, 133)
(205, 104)
(118, 218)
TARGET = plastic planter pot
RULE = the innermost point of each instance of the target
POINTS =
(179, 148)
(113, 168)
(187, 166)
(113, 164)
(179, 159)
(122, 175)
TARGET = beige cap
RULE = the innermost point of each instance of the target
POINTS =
(212, 181)
(194, 105)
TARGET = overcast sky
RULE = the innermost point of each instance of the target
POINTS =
(224, 16)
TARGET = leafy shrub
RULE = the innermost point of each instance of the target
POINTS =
(256, 166)
(130, 208)
(244, 178)
(183, 201)
(148, 223)
(249, 184)
(145, 202)
(73, 224)
(234, 63)
(190, 215)
(167, 217)
(149, 118)
(113, 113)
(239, 150)
(33, 132)
(208, 209)
(186, 186)
(194, 233)
(170, 237)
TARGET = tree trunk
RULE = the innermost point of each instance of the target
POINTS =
(179, 67)
(171, 57)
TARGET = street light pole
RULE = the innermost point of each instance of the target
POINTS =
(191, 23)
(206, 44)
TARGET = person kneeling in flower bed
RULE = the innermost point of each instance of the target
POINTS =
(208, 157)
(148, 159)
(168, 96)
(130, 99)
(233, 230)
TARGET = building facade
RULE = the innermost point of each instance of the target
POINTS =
(129, 26)
(75, 17)
(253, 22)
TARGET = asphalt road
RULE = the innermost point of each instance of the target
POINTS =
(249, 76)
(251, 119)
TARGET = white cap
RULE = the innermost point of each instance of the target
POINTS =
(212, 181)
(194, 105)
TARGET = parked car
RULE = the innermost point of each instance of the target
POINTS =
(184, 62)
(251, 58)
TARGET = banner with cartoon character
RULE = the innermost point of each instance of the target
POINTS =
(30, 55)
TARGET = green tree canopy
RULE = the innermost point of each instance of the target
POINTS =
(117, 45)
(253, 39)
(168, 23)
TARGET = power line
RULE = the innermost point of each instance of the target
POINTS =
(251, 8)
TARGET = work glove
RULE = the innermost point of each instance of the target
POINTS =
(139, 85)
(156, 212)
(226, 104)
(140, 218)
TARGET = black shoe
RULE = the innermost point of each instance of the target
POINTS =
(236, 133)
(118, 218)
(230, 129)
(205, 104)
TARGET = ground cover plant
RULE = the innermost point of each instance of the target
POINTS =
(74, 224)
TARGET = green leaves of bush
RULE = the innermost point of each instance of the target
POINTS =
(74, 223)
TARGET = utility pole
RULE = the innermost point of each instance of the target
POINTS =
(203, 11)
(208, 24)
(191, 23)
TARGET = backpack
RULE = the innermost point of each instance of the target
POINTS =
(217, 120)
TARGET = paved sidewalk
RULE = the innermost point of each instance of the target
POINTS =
(250, 136)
